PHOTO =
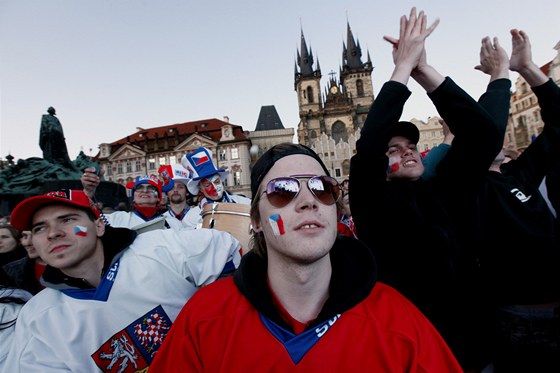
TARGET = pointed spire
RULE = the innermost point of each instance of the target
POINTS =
(352, 51)
(305, 59)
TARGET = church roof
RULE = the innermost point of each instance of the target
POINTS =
(268, 119)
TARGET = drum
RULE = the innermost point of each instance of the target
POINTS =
(233, 218)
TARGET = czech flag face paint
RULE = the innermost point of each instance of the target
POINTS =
(212, 187)
(393, 165)
(277, 224)
(80, 231)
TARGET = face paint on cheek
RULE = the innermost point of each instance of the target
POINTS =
(210, 192)
(393, 165)
(277, 224)
(219, 190)
(80, 231)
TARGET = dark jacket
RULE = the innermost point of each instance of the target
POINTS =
(521, 256)
(428, 223)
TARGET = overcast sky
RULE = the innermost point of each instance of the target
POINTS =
(110, 66)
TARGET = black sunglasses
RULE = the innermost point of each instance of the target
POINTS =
(282, 190)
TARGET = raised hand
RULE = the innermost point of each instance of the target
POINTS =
(413, 32)
(494, 60)
(90, 181)
(520, 50)
(521, 59)
(408, 50)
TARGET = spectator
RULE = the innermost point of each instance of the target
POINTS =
(431, 260)
(207, 184)
(304, 298)
(521, 254)
(13, 257)
(111, 294)
(527, 306)
(179, 198)
(147, 194)
(345, 185)
(11, 301)
(437, 153)
(346, 223)
(34, 267)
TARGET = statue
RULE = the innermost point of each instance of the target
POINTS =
(35, 176)
(52, 141)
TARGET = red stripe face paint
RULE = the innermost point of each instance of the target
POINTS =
(80, 231)
(277, 224)
(393, 165)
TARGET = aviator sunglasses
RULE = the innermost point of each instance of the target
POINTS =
(282, 190)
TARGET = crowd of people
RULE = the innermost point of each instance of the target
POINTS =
(459, 272)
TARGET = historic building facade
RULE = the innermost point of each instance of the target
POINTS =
(144, 151)
(233, 149)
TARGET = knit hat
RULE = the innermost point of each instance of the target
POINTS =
(22, 214)
(269, 158)
(405, 129)
(151, 180)
(199, 163)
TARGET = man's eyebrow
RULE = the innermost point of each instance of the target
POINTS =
(60, 217)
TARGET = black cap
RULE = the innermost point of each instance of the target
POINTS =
(405, 129)
(269, 158)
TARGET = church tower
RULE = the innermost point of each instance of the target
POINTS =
(308, 87)
(330, 121)
(355, 75)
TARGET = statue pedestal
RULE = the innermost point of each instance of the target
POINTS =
(109, 193)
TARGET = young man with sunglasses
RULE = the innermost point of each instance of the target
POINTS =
(430, 222)
(112, 294)
(304, 299)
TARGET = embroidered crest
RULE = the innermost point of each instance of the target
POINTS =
(133, 349)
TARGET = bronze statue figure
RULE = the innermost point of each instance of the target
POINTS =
(52, 141)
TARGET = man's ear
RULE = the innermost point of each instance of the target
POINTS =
(256, 226)
(99, 227)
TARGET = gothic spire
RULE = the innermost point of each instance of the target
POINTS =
(305, 58)
(352, 52)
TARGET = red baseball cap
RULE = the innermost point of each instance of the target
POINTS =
(21, 217)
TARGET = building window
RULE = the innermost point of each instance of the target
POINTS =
(234, 153)
(222, 154)
(310, 95)
(119, 168)
(337, 172)
(237, 178)
(161, 161)
(138, 165)
(360, 87)
(151, 164)
(128, 166)
(172, 159)
(109, 171)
